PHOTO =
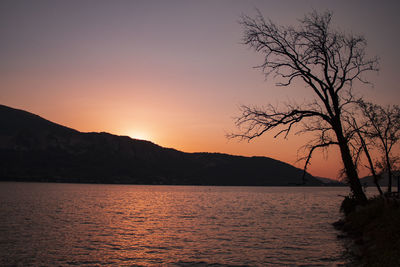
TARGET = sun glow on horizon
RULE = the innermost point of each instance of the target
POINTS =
(139, 134)
(159, 71)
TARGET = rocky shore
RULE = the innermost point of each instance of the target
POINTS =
(373, 231)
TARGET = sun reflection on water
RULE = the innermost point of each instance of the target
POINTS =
(174, 225)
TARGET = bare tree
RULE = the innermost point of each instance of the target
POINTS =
(363, 147)
(327, 62)
(383, 128)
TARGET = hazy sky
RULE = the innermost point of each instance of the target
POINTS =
(173, 72)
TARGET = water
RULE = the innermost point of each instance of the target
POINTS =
(125, 225)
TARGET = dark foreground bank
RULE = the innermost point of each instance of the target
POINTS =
(374, 230)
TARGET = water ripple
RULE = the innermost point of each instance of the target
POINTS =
(71, 224)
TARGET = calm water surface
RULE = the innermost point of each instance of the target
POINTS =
(125, 225)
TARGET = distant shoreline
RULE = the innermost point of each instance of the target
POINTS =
(227, 185)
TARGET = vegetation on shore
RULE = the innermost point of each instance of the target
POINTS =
(375, 230)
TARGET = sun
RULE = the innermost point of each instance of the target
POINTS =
(141, 135)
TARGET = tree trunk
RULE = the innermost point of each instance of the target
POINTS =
(376, 182)
(371, 164)
(398, 183)
(389, 170)
(350, 169)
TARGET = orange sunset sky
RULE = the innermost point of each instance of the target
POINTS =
(172, 72)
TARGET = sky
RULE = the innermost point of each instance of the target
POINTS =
(172, 72)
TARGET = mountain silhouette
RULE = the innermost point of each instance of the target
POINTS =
(35, 149)
(383, 181)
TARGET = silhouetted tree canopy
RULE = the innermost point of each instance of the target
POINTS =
(325, 61)
(382, 128)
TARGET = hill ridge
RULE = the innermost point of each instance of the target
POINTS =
(35, 149)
